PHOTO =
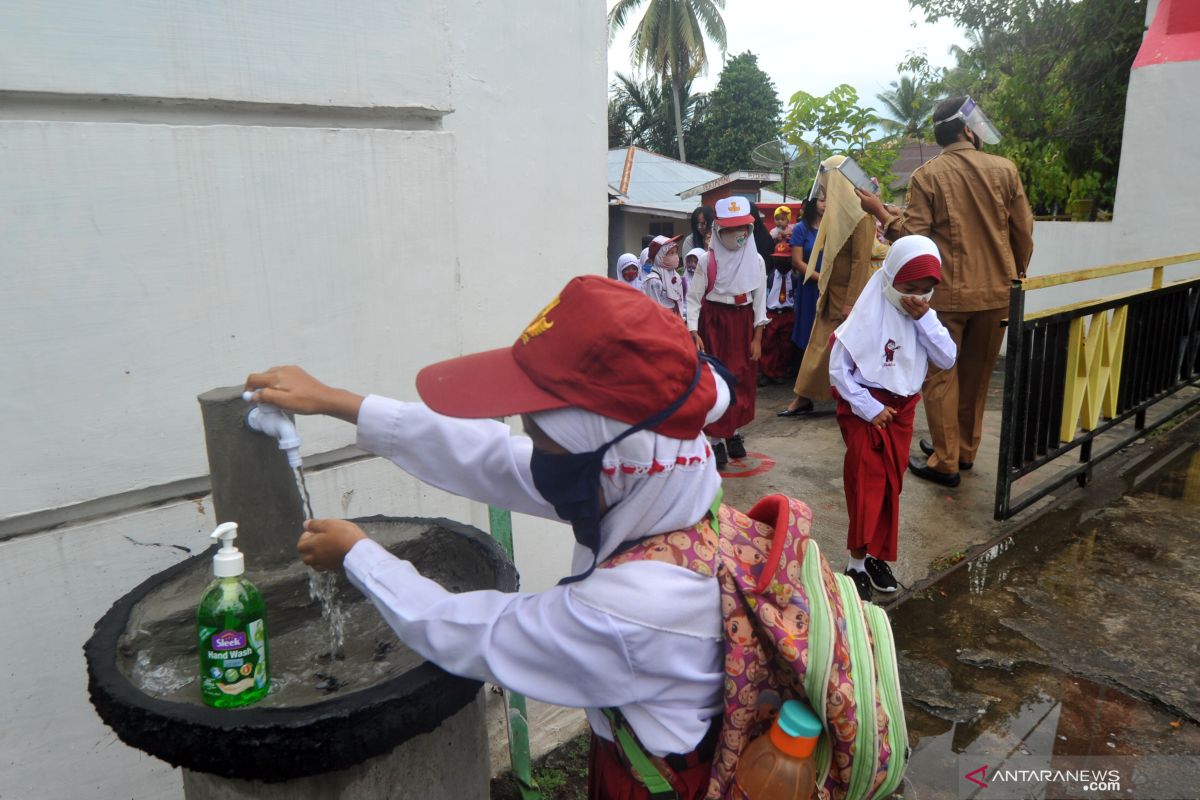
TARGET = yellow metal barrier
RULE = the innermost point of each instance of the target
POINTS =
(1075, 372)
(1093, 371)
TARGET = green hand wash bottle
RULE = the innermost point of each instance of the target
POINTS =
(231, 629)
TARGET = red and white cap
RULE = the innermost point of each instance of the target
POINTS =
(733, 212)
(598, 347)
(659, 242)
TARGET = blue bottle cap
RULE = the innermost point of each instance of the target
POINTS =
(797, 719)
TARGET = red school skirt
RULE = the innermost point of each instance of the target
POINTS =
(873, 472)
(727, 331)
(611, 778)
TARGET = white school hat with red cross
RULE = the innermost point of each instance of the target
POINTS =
(733, 211)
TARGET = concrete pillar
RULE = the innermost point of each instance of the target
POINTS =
(449, 763)
(252, 483)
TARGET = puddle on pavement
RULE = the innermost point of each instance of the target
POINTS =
(1076, 639)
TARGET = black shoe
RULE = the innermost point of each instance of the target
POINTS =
(927, 448)
(719, 454)
(861, 582)
(763, 380)
(923, 471)
(802, 411)
(880, 575)
(736, 446)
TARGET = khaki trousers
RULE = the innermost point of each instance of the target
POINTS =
(955, 398)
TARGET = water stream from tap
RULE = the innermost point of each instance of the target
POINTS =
(322, 587)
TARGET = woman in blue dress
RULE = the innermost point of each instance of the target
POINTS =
(804, 236)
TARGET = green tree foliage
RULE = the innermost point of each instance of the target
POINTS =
(910, 103)
(1052, 75)
(835, 124)
(743, 111)
(641, 113)
(669, 42)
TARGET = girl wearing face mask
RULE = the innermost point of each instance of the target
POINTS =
(613, 396)
(877, 364)
(629, 271)
(663, 284)
(726, 313)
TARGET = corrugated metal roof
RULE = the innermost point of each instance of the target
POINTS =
(654, 181)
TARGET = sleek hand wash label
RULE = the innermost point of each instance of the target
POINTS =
(232, 661)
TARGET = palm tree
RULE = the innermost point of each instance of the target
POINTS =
(669, 42)
(910, 103)
(639, 113)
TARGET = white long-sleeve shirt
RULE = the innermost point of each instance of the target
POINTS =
(698, 288)
(644, 636)
(851, 385)
(654, 288)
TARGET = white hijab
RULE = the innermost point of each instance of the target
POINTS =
(672, 283)
(877, 327)
(629, 260)
(651, 483)
(739, 271)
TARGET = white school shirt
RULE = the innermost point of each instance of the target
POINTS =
(644, 636)
(698, 288)
(845, 377)
(654, 288)
(773, 302)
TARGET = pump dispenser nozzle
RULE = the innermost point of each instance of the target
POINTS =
(269, 419)
(229, 561)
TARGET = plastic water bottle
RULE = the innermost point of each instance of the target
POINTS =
(779, 764)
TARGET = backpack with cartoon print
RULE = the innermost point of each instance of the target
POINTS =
(794, 629)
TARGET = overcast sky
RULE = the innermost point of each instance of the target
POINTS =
(815, 45)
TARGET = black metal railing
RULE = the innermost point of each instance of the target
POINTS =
(1077, 372)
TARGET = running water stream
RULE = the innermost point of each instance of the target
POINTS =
(322, 587)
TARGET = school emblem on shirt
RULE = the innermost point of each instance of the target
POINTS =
(540, 324)
(889, 351)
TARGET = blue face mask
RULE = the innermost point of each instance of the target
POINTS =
(571, 481)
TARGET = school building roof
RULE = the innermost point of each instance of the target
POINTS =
(650, 182)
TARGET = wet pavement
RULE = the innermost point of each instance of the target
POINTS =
(1075, 637)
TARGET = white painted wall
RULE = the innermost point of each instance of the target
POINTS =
(189, 192)
(309, 52)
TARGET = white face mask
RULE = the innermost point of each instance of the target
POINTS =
(733, 240)
(893, 295)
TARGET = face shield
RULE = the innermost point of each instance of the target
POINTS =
(974, 118)
(816, 184)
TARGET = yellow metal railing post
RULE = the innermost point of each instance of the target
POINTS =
(1093, 371)
(1156, 279)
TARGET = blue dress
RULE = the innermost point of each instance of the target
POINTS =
(806, 293)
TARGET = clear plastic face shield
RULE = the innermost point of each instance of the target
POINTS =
(816, 184)
(974, 118)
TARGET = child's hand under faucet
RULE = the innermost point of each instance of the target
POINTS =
(293, 389)
(325, 542)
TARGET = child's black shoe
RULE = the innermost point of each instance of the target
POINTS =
(880, 575)
(736, 446)
(861, 582)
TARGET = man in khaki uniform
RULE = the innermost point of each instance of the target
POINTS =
(973, 206)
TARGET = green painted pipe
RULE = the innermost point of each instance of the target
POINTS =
(500, 522)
